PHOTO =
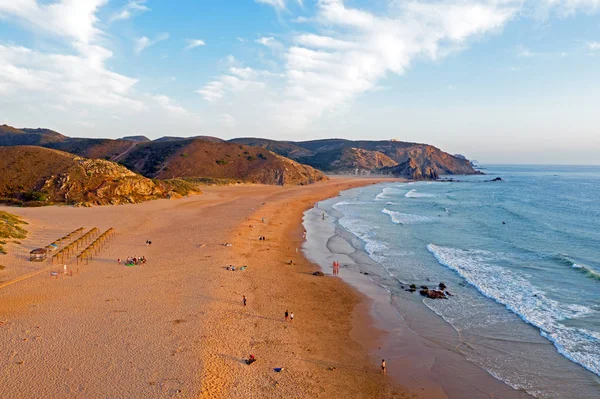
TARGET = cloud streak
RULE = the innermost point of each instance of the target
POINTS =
(144, 42)
(193, 43)
(134, 7)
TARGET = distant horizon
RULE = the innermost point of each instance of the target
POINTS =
(505, 81)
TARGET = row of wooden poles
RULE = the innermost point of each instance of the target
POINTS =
(96, 246)
(68, 251)
(57, 243)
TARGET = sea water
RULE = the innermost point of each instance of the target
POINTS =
(520, 258)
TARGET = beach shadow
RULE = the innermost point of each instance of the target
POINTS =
(232, 358)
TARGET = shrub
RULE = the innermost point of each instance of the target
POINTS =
(261, 156)
(222, 162)
(34, 196)
(251, 158)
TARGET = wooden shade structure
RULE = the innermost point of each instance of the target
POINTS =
(38, 255)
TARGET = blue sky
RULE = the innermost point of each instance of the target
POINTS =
(502, 81)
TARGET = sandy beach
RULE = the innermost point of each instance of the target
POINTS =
(176, 326)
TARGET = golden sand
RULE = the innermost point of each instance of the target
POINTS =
(176, 326)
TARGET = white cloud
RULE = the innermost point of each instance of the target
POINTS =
(593, 46)
(277, 4)
(565, 7)
(77, 77)
(144, 42)
(32, 76)
(193, 43)
(271, 43)
(325, 72)
(74, 19)
(171, 106)
(312, 40)
(236, 80)
(133, 7)
(346, 51)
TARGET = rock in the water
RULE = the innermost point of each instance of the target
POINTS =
(320, 274)
(435, 294)
(414, 287)
(442, 286)
(424, 287)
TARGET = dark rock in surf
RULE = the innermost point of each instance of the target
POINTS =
(320, 274)
(442, 286)
(435, 294)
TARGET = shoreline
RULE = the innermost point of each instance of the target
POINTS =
(436, 368)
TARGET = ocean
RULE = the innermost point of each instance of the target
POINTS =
(520, 258)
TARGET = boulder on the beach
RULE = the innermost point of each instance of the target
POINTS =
(320, 274)
(424, 287)
(433, 294)
(412, 286)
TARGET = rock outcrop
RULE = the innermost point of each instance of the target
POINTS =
(39, 176)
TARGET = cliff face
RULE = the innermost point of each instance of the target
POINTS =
(349, 160)
(42, 176)
(413, 160)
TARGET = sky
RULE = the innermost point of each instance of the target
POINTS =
(500, 81)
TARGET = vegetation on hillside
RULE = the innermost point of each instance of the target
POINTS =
(10, 229)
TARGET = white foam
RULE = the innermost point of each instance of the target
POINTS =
(415, 194)
(381, 196)
(527, 301)
(406, 218)
(587, 270)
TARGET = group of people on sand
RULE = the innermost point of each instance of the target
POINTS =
(134, 260)
(336, 267)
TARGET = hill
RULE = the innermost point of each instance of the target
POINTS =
(283, 148)
(414, 160)
(349, 160)
(195, 158)
(141, 139)
(36, 175)
(10, 136)
(205, 138)
(219, 159)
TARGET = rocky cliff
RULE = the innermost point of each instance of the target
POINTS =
(36, 175)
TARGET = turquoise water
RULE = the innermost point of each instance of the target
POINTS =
(521, 258)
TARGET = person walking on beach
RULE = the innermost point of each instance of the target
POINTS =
(119, 260)
(244, 299)
(287, 315)
(291, 316)
(383, 369)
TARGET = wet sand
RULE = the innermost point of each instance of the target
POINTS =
(176, 326)
(422, 351)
